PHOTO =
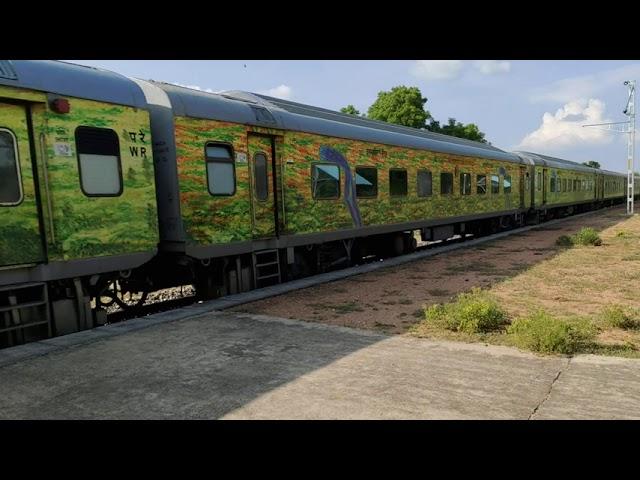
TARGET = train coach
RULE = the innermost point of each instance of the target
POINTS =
(77, 194)
(271, 189)
(114, 187)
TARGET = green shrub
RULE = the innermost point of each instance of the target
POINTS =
(471, 312)
(620, 317)
(564, 241)
(587, 236)
(543, 333)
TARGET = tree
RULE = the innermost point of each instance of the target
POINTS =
(402, 106)
(350, 109)
(454, 128)
(592, 164)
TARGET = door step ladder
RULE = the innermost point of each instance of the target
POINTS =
(266, 268)
(21, 308)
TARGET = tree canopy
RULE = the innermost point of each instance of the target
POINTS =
(454, 128)
(404, 105)
(592, 164)
(350, 109)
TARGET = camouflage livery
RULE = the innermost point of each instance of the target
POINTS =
(215, 220)
(79, 226)
(209, 219)
(20, 241)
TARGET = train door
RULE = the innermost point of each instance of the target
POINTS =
(267, 192)
(544, 186)
(21, 240)
(523, 175)
(600, 187)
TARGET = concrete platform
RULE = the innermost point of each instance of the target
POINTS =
(231, 365)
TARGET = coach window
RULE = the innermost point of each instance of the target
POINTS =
(495, 184)
(397, 182)
(261, 176)
(506, 183)
(10, 184)
(539, 182)
(425, 184)
(99, 161)
(465, 184)
(481, 184)
(221, 175)
(526, 183)
(366, 182)
(552, 183)
(325, 180)
(446, 183)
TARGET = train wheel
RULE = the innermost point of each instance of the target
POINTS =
(114, 293)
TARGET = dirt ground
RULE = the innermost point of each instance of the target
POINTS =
(392, 300)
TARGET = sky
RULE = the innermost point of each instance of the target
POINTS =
(531, 105)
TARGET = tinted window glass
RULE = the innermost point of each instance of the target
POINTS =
(397, 182)
(366, 181)
(425, 186)
(99, 161)
(446, 183)
(10, 191)
(465, 184)
(495, 184)
(506, 183)
(261, 176)
(325, 180)
(481, 184)
(221, 177)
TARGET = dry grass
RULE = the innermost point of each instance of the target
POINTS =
(584, 281)
(597, 285)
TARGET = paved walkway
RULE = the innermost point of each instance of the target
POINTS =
(231, 365)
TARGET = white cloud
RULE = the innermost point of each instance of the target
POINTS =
(585, 86)
(195, 87)
(437, 69)
(491, 67)
(284, 92)
(565, 128)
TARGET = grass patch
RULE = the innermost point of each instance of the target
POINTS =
(544, 333)
(564, 241)
(620, 317)
(587, 236)
(438, 292)
(472, 312)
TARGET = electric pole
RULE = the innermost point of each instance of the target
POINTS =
(630, 128)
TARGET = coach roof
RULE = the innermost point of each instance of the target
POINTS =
(260, 110)
(72, 80)
(553, 162)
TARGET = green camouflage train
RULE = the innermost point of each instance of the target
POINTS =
(113, 187)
